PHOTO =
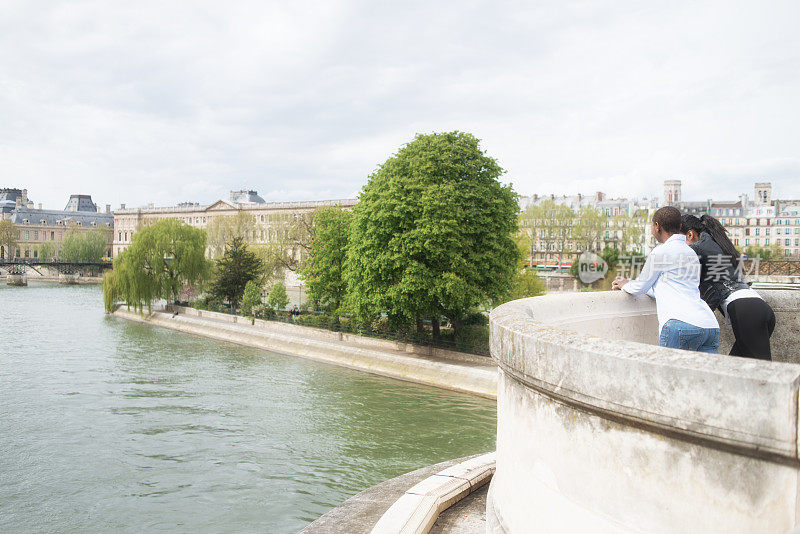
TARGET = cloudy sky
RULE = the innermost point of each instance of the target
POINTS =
(162, 102)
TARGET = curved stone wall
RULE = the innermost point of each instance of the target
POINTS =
(599, 430)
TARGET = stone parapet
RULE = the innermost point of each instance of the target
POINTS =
(600, 430)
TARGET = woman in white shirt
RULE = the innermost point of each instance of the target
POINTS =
(722, 287)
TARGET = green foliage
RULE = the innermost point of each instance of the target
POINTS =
(223, 228)
(251, 297)
(8, 237)
(277, 296)
(237, 266)
(47, 251)
(551, 225)
(587, 233)
(84, 246)
(527, 284)
(432, 233)
(322, 270)
(262, 311)
(161, 260)
(770, 253)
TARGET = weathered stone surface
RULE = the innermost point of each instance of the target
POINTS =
(360, 513)
(17, 280)
(468, 516)
(599, 432)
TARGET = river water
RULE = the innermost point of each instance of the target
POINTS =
(113, 426)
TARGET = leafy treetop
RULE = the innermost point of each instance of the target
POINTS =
(432, 233)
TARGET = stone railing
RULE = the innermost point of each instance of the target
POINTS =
(599, 430)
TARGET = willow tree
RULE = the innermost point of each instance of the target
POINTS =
(223, 228)
(432, 234)
(85, 246)
(162, 259)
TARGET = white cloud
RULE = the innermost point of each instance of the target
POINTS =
(163, 102)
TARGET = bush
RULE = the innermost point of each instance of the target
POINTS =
(317, 321)
(277, 296)
(261, 311)
(475, 318)
(251, 297)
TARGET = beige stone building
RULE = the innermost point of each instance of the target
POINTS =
(270, 217)
(37, 226)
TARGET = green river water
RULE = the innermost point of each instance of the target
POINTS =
(112, 426)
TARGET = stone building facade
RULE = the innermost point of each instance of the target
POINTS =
(270, 217)
(37, 226)
(763, 221)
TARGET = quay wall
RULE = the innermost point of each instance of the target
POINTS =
(601, 430)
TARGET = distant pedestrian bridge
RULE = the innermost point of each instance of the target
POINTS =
(16, 272)
(601, 430)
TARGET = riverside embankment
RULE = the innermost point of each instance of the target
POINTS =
(455, 371)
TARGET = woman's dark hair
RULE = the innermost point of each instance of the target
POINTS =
(690, 222)
(712, 227)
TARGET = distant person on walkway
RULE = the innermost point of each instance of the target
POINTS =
(671, 274)
(722, 287)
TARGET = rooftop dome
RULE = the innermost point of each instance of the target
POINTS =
(246, 197)
(80, 203)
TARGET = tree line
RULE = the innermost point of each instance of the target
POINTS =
(556, 229)
(77, 246)
(434, 235)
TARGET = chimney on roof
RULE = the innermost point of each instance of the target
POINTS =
(25, 196)
(122, 206)
(40, 205)
(108, 208)
(19, 202)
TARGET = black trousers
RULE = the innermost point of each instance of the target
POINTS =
(753, 322)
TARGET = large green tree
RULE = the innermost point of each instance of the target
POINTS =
(85, 246)
(322, 271)
(237, 266)
(432, 233)
(161, 260)
(8, 238)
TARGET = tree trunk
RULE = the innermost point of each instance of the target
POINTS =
(457, 324)
(435, 326)
(420, 327)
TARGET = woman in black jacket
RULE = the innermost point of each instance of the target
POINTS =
(723, 288)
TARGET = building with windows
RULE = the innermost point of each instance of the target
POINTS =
(270, 217)
(762, 221)
(618, 223)
(37, 226)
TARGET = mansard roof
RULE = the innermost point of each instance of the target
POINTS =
(55, 217)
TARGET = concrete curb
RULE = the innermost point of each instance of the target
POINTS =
(416, 511)
(466, 377)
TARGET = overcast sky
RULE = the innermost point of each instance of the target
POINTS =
(163, 102)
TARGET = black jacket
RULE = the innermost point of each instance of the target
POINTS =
(719, 273)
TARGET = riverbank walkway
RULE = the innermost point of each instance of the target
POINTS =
(456, 371)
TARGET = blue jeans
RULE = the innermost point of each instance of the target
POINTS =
(677, 334)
